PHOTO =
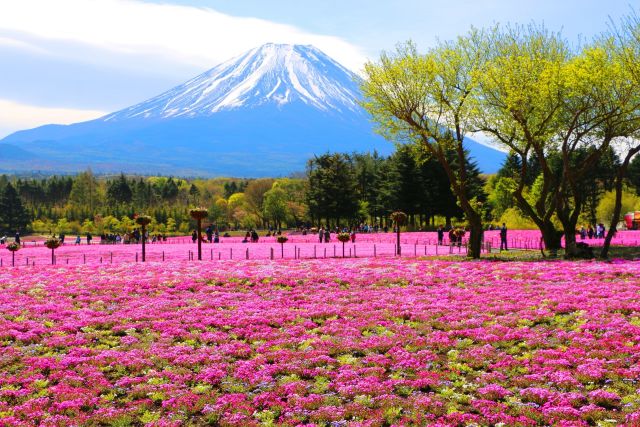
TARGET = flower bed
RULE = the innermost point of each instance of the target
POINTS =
(308, 247)
(350, 342)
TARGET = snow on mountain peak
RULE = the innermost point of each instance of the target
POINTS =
(275, 74)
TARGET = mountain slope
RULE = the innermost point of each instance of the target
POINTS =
(263, 113)
(276, 74)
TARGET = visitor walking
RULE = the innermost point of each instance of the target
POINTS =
(503, 237)
(194, 236)
(440, 235)
(453, 237)
(89, 238)
(601, 231)
(327, 235)
(321, 234)
(17, 237)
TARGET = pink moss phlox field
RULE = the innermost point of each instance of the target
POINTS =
(357, 342)
(298, 246)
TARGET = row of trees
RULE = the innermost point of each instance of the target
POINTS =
(340, 189)
(87, 203)
(347, 189)
(559, 110)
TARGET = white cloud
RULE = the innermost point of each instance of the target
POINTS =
(15, 116)
(200, 37)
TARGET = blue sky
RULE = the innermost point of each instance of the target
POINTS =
(70, 60)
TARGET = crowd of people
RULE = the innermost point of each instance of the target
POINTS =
(592, 232)
(212, 235)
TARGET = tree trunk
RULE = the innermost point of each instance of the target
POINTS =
(552, 238)
(622, 171)
(475, 236)
(398, 239)
(570, 248)
(604, 253)
(53, 256)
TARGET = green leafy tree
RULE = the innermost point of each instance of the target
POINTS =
(275, 206)
(520, 95)
(428, 99)
(633, 175)
(332, 193)
(119, 191)
(13, 216)
(85, 192)
(606, 207)
(255, 196)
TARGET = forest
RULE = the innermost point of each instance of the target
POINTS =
(337, 189)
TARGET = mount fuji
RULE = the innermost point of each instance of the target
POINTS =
(264, 113)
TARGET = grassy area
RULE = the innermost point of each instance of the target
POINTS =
(624, 252)
(615, 252)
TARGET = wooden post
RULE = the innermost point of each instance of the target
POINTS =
(271, 253)
(144, 243)
(374, 251)
(247, 255)
(314, 251)
(199, 239)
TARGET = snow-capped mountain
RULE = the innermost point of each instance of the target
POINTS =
(275, 74)
(264, 113)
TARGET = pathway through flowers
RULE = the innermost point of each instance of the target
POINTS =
(321, 342)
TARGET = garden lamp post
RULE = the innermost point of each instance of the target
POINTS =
(53, 243)
(199, 214)
(143, 221)
(13, 248)
(398, 217)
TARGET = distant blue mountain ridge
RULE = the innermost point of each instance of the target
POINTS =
(264, 113)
